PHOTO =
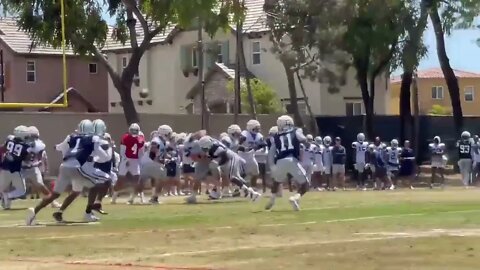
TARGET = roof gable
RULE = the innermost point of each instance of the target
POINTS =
(437, 73)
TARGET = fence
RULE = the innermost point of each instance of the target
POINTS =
(388, 128)
(55, 126)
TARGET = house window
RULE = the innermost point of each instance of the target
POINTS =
(353, 108)
(469, 93)
(31, 74)
(124, 62)
(194, 58)
(302, 106)
(92, 68)
(256, 60)
(437, 92)
(219, 54)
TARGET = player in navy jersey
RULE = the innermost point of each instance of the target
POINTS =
(15, 151)
(79, 150)
(285, 154)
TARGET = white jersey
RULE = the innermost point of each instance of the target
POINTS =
(437, 152)
(146, 157)
(252, 140)
(308, 154)
(393, 155)
(360, 151)
(327, 156)
(318, 157)
(36, 149)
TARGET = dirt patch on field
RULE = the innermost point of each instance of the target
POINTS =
(32, 264)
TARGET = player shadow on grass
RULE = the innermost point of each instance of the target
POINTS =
(17, 209)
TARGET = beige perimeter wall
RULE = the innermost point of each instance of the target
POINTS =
(54, 127)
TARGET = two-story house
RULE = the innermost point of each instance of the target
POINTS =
(35, 73)
(433, 90)
(169, 70)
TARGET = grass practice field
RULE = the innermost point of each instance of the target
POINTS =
(403, 229)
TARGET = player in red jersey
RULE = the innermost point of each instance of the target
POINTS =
(131, 150)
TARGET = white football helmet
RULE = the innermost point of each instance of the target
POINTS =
(134, 129)
(360, 137)
(153, 134)
(253, 126)
(466, 135)
(327, 140)
(234, 130)
(309, 137)
(99, 127)
(34, 132)
(273, 130)
(85, 127)
(165, 131)
(21, 132)
(223, 135)
(205, 143)
(437, 139)
(285, 122)
(394, 143)
(318, 140)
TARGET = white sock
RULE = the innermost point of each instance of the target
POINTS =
(297, 196)
(133, 195)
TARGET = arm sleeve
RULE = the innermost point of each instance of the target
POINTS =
(63, 146)
(102, 152)
(300, 136)
(123, 148)
(271, 154)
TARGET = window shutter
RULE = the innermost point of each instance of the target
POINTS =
(226, 53)
(185, 57)
(211, 55)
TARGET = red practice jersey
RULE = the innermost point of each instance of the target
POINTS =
(133, 144)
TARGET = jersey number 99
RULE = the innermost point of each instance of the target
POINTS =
(15, 149)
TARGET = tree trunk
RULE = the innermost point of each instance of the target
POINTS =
(237, 81)
(405, 105)
(370, 110)
(416, 112)
(313, 121)
(450, 78)
(243, 65)
(129, 110)
(292, 90)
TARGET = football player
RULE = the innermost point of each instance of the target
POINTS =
(393, 162)
(79, 151)
(464, 146)
(15, 151)
(438, 159)
(251, 141)
(285, 155)
(131, 150)
(360, 147)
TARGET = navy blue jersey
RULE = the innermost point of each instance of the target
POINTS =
(464, 149)
(287, 144)
(15, 153)
(81, 147)
(106, 167)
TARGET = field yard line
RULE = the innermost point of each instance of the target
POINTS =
(71, 236)
(298, 244)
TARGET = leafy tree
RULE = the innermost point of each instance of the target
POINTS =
(304, 36)
(264, 96)
(445, 15)
(87, 31)
(439, 110)
(372, 37)
(412, 50)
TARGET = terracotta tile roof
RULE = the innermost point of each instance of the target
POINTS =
(436, 73)
(254, 22)
(20, 42)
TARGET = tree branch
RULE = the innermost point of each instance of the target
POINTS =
(103, 60)
(132, 7)
(131, 22)
(149, 36)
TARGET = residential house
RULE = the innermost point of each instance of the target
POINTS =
(168, 72)
(34, 73)
(433, 90)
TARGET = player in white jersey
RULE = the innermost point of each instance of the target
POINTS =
(360, 147)
(229, 162)
(235, 133)
(307, 156)
(327, 162)
(31, 169)
(152, 166)
(318, 167)
(438, 159)
(476, 158)
(393, 163)
(285, 154)
(251, 141)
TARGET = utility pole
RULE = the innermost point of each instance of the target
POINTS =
(237, 95)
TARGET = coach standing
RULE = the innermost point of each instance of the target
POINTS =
(339, 157)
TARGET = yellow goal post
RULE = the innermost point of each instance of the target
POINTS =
(64, 104)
